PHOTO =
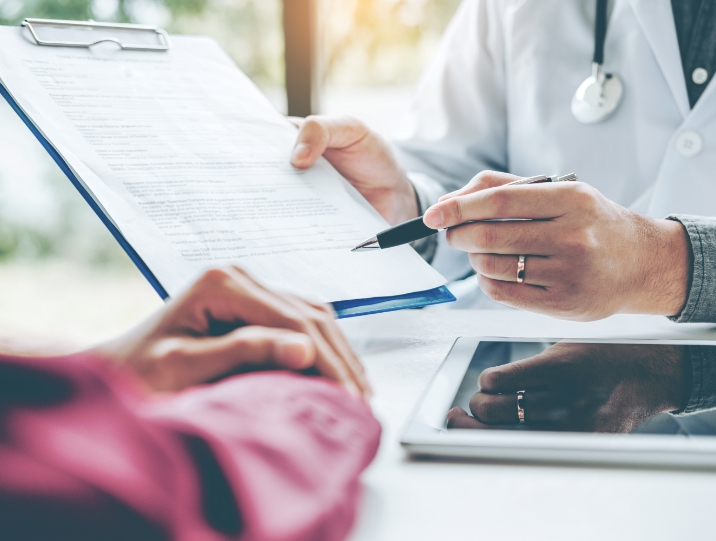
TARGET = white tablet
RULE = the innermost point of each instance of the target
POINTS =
(582, 401)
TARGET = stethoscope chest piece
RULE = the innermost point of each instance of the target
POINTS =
(597, 97)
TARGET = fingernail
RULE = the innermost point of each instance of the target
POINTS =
(301, 152)
(433, 218)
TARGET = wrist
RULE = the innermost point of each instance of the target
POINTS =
(666, 266)
(400, 204)
(123, 349)
(107, 351)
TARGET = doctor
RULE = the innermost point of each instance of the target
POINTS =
(500, 95)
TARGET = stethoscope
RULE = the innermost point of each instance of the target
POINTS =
(601, 94)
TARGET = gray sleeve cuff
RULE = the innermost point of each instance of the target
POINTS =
(703, 376)
(427, 192)
(701, 303)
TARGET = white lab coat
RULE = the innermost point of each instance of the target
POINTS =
(498, 93)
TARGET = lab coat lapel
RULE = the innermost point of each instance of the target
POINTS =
(657, 22)
(706, 100)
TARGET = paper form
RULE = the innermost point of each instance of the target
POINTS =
(191, 162)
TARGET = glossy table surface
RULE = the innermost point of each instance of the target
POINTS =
(415, 500)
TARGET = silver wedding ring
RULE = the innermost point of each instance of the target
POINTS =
(521, 269)
(520, 407)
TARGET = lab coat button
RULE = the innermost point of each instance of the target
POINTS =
(689, 144)
(700, 76)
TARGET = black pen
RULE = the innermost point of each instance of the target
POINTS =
(415, 229)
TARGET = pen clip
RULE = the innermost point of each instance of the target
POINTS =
(530, 180)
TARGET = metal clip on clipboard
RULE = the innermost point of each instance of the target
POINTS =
(130, 37)
(56, 33)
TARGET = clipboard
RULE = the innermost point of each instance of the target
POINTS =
(152, 38)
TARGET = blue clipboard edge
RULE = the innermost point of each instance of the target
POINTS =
(343, 309)
(377, 305)
(133, 255)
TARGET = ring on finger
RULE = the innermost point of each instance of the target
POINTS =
(521, 407)
(521, 269)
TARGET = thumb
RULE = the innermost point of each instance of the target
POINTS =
(317, 134)
(311, 143)
(438, 215)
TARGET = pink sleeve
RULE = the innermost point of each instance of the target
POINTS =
(260, 456)
(292, 447)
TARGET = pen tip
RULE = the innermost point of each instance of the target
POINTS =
(367, 245)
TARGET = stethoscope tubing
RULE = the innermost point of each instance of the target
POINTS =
(600, 95)
(600, 31)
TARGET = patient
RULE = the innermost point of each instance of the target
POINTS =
(121, 443)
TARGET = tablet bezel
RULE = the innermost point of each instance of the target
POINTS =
(422, 437)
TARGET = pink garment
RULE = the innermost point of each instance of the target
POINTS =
(262, 456)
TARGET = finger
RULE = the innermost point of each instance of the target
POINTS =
(530, 237)
(501, 409)
(539, 299)
(346, 351)
(324, 319)
(187, 362)
(330, 361)
(335, 359)
(513, 377)
(482, 181)
(255, 345)
(320, 133)
(552, 367)
(459, 418)
(538, 271)
(533, 201)
(331, 365)
(230, 294)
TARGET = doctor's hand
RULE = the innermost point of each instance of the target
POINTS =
(586, 257)
(580, 387)
(227, 322)
(363, 157)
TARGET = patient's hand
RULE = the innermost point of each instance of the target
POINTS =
(227, 322)
(581, 387)
(363, 157)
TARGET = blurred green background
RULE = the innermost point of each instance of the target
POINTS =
(364, 42)
(57, 258)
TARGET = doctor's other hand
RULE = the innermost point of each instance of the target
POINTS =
(581, 387)
(363, 157)
(587, 258)
(227, 322)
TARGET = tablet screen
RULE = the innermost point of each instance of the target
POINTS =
(579, 387)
